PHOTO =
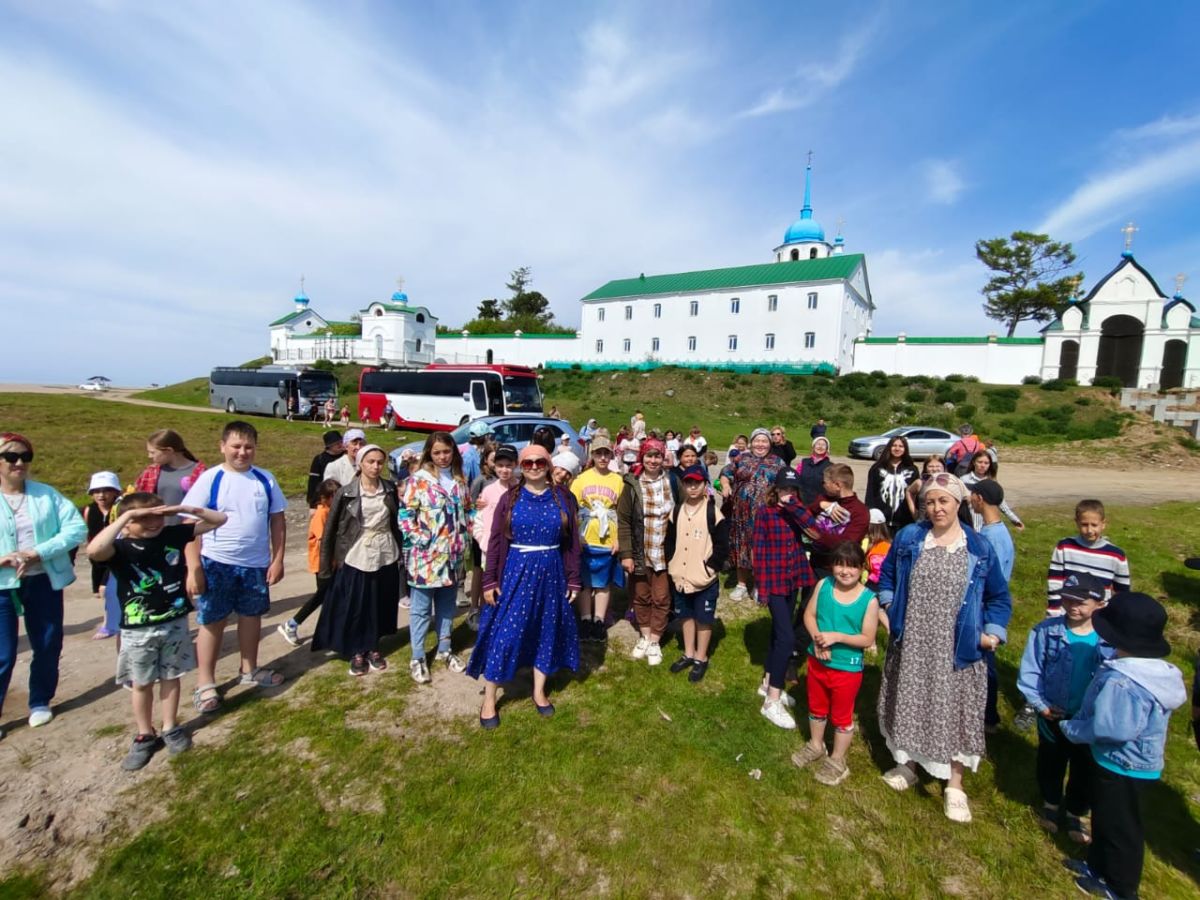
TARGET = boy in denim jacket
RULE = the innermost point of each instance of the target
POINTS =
(1124, 719)
(1060, 658)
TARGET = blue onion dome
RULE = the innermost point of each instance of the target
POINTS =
(400, 297)
(301, 299)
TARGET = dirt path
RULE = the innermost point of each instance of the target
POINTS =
(114, 395)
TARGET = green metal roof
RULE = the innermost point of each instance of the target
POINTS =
(952, 340)
(295, 314)
(399, 308)
(831, 268)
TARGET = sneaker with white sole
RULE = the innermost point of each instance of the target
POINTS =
(452, 660)
(419, 671)
(39, 716)
(290, 632)
(776, 713)
(739, 593)
(653, 654)
(406, 602)
(640, 648)
(787, 699)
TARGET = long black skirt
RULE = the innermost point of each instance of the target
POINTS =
(359, 608)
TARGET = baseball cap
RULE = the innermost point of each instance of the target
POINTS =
(990, 491)
(105, 481)
(505, 451)
(1083, 586)
(355, 434)
(694, 473)
(600, 442)
(332, 437)
(877, 517)
(787, 478)
(478, 429)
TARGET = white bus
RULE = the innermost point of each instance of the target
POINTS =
(443, 396)
(266, 390)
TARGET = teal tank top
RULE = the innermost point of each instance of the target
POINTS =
(846, 618)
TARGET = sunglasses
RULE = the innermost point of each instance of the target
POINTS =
(529, 464)
(25, 456)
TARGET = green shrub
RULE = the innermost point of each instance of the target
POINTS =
(914, 395)
(967, 411)
(1032, 379)
(971, 379)
(955, 377)
(923, 380)
(946, 393)
(1112, 382)
(576, 367)
(1083, 401)
(323, 365)
(1058, 384)
(1001, 400)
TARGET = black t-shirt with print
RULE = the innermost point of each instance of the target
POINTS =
(150, 574)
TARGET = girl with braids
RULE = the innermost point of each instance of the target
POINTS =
(530, 580)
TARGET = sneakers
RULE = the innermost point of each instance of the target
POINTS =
(1077, 829)
(406, 602)
(807, 755)
(452, 660)
(419, 671)
(177, 740)
(654, 654)
(1025, 719)
(358, 665)
(140, 751)
(462, 600)
(1047, 817)
(832, 771)
(1095, 887)
(739, 593)
(684, 662)
(473, 620)
(699, 667)
(39, 716)
(776, 713)
(784, 697)
(289, 631)
(639, 649)
(376, 661)
(599, 631)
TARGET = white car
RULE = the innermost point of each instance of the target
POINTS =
(95, 383)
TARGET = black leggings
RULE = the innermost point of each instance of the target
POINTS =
(99, 576)
(314, 602)
(1053, 759)
(783, 637)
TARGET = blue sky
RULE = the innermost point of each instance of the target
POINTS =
(168, 170)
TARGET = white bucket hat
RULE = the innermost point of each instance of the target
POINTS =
(105, 481)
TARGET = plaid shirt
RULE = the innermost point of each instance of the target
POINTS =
(780, 566)
(148, 480)
(657, 504)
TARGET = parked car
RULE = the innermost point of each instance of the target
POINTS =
(922, 441)
(515, 430)
(96, 383)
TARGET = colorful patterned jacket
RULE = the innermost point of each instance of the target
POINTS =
(434, 523)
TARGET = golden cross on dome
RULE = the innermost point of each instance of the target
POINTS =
(1128, 231)
(1179, 282)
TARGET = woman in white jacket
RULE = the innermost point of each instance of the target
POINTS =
(38, 529)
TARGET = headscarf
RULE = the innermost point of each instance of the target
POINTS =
(534, 451)
(822, 440)
(362, 453)
(947, 483)
(11, 437)
(566, 460)
(755, 433)
(651, 444)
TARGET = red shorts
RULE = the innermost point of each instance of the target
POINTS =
(831, 693)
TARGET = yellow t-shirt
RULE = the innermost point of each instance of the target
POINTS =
(597, 495)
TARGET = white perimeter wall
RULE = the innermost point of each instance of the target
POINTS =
(991, 363)
(522, 351)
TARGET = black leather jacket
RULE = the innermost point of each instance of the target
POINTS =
(345, 523)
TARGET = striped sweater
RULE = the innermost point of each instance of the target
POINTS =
(1102, 559)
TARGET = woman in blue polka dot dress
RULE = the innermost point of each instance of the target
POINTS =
(531, 579)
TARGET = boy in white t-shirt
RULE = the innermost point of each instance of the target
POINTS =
(232, 570)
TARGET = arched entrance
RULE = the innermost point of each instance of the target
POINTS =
(1173, 361)
(1120, 351)
(489, 357)
(1068, 360)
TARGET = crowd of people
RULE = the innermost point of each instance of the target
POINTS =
(547, 540)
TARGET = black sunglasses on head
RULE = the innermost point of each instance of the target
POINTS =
(25, 456)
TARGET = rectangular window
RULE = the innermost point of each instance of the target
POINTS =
(772, 302)
(658, 310)
(735, 305)
(692, 343)
(600, 314)
(625, 345)
(600, 344)
(770, 342)
(733, 342)
(810, 339)
(628, 313)
(812, 301)
(654, 344)
(694, 308)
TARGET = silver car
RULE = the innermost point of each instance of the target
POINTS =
(922, 441)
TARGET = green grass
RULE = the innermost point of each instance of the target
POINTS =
(610, 798)
(193, 392)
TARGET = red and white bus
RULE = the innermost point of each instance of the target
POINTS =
(444, 396)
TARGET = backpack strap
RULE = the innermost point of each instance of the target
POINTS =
(215, 488)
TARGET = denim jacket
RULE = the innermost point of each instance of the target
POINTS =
(1125, 712)
(986, 606)
(57, 529)
(1045, 676)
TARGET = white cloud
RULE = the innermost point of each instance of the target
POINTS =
(943, 183)
(1166, 127)
(928, 293)
(1107, 197)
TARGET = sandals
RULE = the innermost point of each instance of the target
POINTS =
(956, 807)
(900, 778)
(207, 699)
(1077, 829)
(261, 676)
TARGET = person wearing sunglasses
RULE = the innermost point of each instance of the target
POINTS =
(948, 604)
(38, 529)
(781, 446)
(530, 580)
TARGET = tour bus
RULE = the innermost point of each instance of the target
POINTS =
(443, 396)
(266, 390)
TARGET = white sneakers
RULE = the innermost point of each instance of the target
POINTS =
(40, 716)
(739, 593)
(787, 699)
(647, 650)
(419, 671)
(453, 662)
(776, 713)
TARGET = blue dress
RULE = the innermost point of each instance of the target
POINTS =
(532, 623)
